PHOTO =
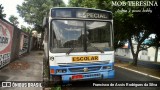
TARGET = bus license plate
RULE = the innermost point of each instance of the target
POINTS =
(85, 59)
(76, 77)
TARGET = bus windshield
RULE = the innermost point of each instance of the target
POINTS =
(66, 34)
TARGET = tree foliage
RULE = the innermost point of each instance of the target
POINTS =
(33, 11)
(2, 15)
(26, 29)
(14, 20)
(83, 3)
(155, 16)
(129, 26)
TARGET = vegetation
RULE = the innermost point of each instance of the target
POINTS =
(129, 26)
(26, 29)
(155, 16)
(14, 20)
(33, 12)
(2, 15)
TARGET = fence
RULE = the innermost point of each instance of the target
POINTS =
(13, 42)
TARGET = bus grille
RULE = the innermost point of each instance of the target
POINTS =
(83, 63)
(81, 69)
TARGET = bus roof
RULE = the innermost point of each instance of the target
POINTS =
(80, 8)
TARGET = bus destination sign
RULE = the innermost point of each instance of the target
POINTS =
(92, 15)
(80, 13)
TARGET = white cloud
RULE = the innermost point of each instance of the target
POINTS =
(10, 9)
(65, 1)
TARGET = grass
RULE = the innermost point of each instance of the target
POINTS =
(56, 88)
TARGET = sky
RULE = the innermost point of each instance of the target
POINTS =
(10, 9)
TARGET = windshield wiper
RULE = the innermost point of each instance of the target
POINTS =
(95, 47)
(70, 50)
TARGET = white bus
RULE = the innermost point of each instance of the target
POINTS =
(78, 44)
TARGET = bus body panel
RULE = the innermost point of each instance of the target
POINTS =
(62, 58)
(101, 69)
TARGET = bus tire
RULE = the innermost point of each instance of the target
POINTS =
(56, 79)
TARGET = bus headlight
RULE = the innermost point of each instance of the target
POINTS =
(106, 67)
(61, 71)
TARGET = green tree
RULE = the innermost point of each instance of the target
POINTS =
(26, 29)
(14, 20)
(33, 12)
(100, 4)
(138, 31)
(2, 15)
(155, 17)
(83, 3)
(127, 25)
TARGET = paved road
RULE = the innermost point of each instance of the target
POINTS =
(28, 68)
(120, 75)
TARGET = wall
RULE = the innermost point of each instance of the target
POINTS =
(145, 55)
(13, 42)
(6, 36)
(24, 43)
(124, 52)
(159, 55)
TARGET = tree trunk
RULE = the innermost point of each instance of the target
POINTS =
(156, 54)
(135, 59)
(135, 54)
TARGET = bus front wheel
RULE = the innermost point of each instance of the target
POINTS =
(56, 79)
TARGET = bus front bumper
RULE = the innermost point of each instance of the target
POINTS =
(88, 76)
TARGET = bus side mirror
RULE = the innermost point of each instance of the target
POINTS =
(45, 21)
